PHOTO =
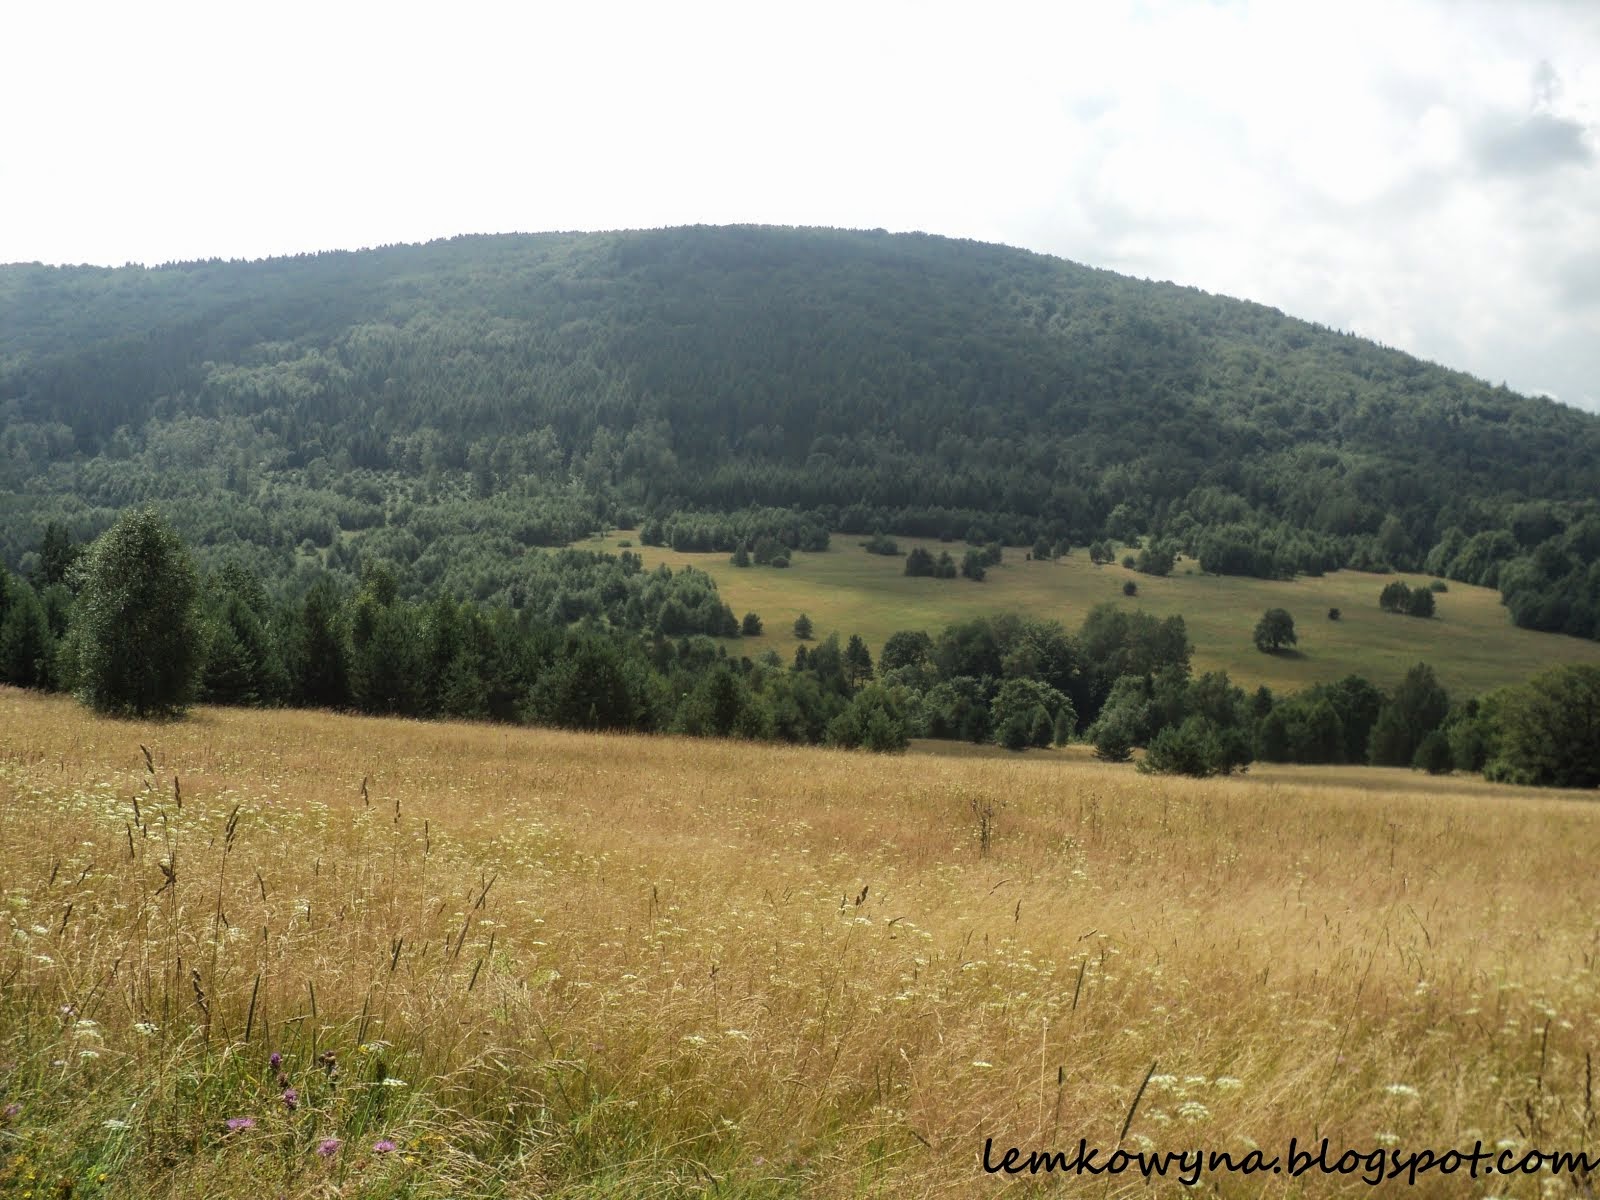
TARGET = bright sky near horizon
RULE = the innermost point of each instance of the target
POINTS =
(1422, 172)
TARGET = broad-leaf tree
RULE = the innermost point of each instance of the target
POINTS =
(1274, 631)
(135, 632)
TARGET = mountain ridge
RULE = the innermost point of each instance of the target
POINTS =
(922, 384)
(183, 265)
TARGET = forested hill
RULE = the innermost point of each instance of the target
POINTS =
(722, 383)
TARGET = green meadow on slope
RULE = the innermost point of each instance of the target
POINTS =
(1471, 643)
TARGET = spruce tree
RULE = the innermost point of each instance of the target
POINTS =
(26, 645)
(1418, 707)
(322, 659)
(857, 661)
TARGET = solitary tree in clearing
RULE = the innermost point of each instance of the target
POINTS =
(1274, 631)
(1395, 596)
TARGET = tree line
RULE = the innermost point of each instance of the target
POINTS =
(131, 626)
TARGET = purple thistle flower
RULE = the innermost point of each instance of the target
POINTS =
(275, 1060)
(235, 1124)
(385, 1146)
(291, 1099)
(328, 1147)
(12, 1112)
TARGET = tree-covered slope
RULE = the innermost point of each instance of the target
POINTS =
(491, 393)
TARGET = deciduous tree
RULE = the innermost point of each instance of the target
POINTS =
(1274, 631)
(135, 632)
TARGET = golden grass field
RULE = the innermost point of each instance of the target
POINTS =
(548, 964)
(1472, 644)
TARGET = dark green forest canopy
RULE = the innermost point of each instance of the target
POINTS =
(448, 406)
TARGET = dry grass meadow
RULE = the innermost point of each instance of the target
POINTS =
(531, 963)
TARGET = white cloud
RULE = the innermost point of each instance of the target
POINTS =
(1422, 172)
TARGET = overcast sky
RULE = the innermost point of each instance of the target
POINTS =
(1425, 174)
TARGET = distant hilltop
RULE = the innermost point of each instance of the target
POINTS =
(854, 380)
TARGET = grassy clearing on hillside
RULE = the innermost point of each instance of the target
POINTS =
(531, 962)
(1472, 644)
